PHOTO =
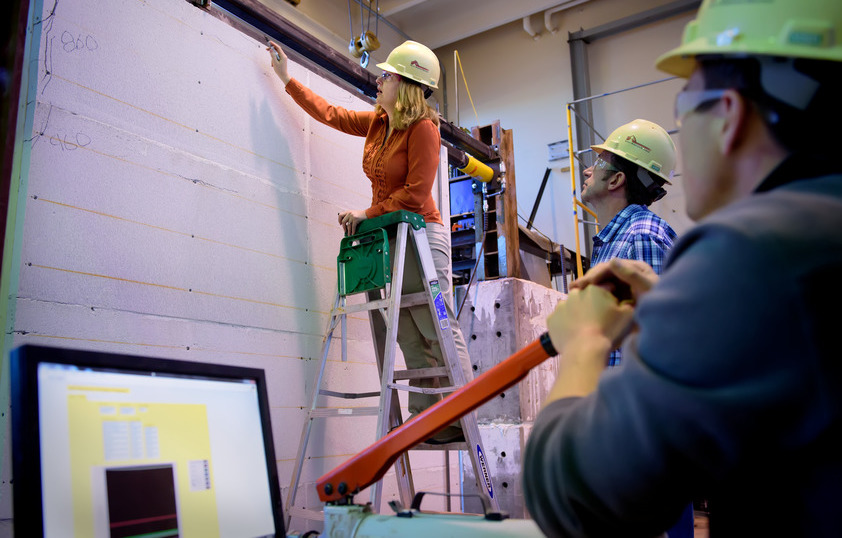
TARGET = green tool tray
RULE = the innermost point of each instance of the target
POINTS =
(390, 221)
(363, 263)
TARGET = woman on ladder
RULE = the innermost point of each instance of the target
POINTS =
(401, 158)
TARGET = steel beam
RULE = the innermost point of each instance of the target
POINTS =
(265, 22)
(634, 21)
(583, 116)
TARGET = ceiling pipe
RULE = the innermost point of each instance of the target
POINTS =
(548, 14)
(527, 27)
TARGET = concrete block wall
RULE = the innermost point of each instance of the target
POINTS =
(500, 317)
(176, 203)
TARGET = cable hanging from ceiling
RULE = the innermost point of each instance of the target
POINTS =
(459, 67)
(361, 46)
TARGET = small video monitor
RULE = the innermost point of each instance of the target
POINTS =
(117, 446)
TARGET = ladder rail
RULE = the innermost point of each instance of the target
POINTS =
(406, 489)
(387, 369)
(444, 332)
(308, 423)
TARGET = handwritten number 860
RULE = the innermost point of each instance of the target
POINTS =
(72, 43)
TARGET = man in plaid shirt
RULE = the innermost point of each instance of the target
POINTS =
(633, 165)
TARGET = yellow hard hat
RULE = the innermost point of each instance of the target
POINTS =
(645, 144)
(789, 28)
(415, 62)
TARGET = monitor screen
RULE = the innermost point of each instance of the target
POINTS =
(109, 445)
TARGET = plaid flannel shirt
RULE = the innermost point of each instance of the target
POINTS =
(635, 233)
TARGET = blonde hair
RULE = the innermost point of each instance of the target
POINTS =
(410, 106)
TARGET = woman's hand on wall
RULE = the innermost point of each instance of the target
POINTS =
(279, 61)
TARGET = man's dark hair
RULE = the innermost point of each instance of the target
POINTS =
(796, 129)
(636, 192)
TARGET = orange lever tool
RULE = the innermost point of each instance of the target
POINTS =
(371, 464)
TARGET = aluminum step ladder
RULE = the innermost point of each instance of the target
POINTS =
(364, 267)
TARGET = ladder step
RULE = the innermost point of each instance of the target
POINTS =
(410, 299)
(421, 390)
(449, 446)
(414, 299)
(420, 373)
(350, 395)
(364, 307)
(344, 412)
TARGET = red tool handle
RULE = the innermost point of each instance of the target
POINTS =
(371, 464)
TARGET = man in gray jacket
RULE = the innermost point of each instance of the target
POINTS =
(731, 384)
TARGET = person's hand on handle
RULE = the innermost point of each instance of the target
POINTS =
(584, 329)
(627, 280)
(349, 220)
(589, 313)
(279, 62)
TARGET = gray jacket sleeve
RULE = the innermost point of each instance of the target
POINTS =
(707, 382)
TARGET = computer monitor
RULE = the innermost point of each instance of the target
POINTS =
(111, 445)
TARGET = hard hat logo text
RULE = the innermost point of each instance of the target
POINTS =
(633, 141)
(414, 63)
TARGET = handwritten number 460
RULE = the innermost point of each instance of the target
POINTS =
(72, 43)
(70, 142)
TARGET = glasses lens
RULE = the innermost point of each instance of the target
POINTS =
(691, 101)
(602, 164)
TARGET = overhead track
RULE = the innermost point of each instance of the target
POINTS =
(265, 22)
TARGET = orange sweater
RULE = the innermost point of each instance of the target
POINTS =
(402, 171)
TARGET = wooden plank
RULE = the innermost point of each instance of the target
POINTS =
(507, 223)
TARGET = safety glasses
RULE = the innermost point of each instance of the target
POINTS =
(602, 164)
(692, 100)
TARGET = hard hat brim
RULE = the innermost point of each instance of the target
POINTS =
(680, 62)
(600, 147)
(388, 68)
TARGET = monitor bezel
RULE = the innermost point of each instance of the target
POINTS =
(27, 509)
